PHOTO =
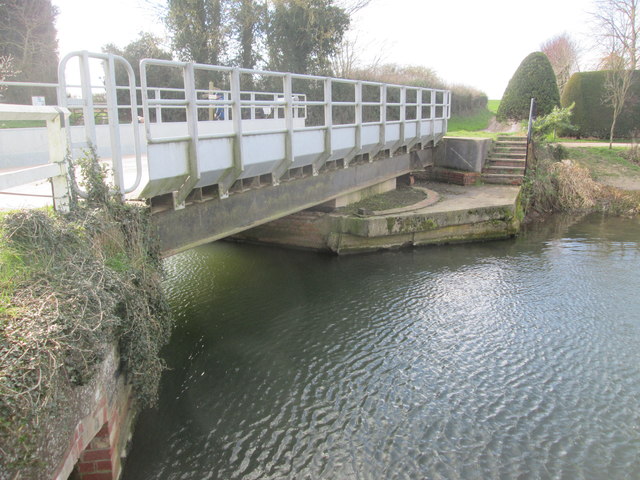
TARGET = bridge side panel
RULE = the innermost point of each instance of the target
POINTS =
(204, 222)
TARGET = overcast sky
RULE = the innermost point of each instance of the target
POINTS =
(474, 42)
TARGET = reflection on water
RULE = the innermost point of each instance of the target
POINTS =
(513, 359)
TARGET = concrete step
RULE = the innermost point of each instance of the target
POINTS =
(502, 149)
(491, 169)
(507, 162)
(521, 145)
(502, 178)
(507, 155)
(508, 138)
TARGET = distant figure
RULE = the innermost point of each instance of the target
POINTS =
(220, 110)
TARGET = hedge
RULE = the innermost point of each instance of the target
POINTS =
(591, 115)
(534, 78)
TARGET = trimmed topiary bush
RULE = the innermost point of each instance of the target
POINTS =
(534, 78)
(591, 116)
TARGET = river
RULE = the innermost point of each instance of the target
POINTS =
(511, 359)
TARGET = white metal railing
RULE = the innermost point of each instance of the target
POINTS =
(109, 62)
(199, 155)
(212, 125)
(55, 168)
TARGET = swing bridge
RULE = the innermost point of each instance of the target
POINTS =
(216, 150)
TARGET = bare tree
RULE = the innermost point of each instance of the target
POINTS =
(618, 33)
(7, 71)
(563, 54)
(352, 6)
(347, 62)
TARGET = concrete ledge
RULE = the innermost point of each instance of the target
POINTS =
(466, 154)
(344, 244)
(464, 214)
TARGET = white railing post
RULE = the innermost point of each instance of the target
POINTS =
(286, 163)
(87, 104)
(383, 116)
(193, 169)
(158, 109)
(114, 124)
(60, 184)
(419, 115)
(328, 126)
(358, 119)
(236, 107)
(403, 116)
(237, 162)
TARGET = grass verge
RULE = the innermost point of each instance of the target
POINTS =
(471, 123)
(22, 123)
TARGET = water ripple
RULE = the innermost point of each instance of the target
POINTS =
(507, 360)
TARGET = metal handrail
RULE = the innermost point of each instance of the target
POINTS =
(404, 115)
(532, 115)
(88, 108)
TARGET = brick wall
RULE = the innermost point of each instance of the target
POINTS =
(98, 442)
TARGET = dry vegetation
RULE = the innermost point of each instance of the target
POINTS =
(554, 184)
(72, 287)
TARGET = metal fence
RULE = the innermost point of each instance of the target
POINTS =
(201, 125)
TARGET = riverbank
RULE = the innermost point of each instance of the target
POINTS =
(580, 180)
(82, 321)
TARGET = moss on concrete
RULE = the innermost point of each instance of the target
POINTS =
(401, 197)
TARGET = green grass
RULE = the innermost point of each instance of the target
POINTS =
(605, 162)
(475, 124)
(471, 134)
(471, 123)
(592, 140)
(22, 123)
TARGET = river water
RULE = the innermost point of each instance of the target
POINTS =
(513, 359)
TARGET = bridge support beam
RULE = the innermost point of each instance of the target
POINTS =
(205, 221)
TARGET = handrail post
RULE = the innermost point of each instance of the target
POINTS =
(60, 185)
(383, 117)
(419, 115)
(193, 172)
(281, 168)
(403, 116)
(358, 120)
(328, 127)
(114, 130)
(233, 172)
(532, 109)
(87, 105)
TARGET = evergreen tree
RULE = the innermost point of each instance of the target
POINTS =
(304, 34)
(28, 36)
(199, 30)
(534, 78)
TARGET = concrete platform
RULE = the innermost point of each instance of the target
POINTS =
(462, 214)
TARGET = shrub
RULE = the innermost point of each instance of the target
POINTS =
(464, 99)
(534, 78)
(558, 120)
(590, 115)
